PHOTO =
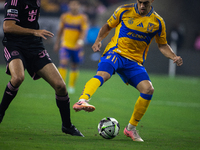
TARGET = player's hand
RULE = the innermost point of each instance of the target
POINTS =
(178, 60)
(79, 44)
(43, 33)
(96, 46)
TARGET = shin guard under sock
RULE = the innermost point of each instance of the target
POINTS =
(63, 103)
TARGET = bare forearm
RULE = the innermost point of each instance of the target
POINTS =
(167, 51)
(104, 31)
(11, 27)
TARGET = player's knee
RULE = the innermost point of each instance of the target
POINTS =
(104, 75)
(150, 90)
(60, 87)
(17, 80)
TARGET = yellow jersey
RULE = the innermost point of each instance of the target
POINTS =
(73, 25)
(134, 33)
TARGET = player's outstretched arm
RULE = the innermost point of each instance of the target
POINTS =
(43, 33)
(103, 32)
(10, 26)
(167, 51)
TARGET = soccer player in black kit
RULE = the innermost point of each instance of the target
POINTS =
(24, 49)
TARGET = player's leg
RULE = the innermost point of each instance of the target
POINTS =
(73, 76)
(146, 91)
(63, 63)
(89, 89)
(76, 59)
(92, 85)
(105, 70)
(63, 69)
(16, 70)
(50, 73)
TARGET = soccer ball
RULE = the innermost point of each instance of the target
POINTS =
(108, 127)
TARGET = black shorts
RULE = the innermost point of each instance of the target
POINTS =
(34, 57)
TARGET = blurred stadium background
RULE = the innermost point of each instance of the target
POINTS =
(181, 19)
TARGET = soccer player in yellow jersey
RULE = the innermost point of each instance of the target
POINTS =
(71, 34)
(135, 26)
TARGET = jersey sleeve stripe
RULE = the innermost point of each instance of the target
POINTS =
(136, 9)
(160, 27)
(12, 19)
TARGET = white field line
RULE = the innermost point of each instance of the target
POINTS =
(38, 96)
(166, 103)
(154, 102)
(177, 104)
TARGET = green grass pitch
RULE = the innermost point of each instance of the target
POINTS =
(171, 122)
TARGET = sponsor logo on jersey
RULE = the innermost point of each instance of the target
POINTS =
(136, 35)
(32, 15)
(140, 25)
(12, 12)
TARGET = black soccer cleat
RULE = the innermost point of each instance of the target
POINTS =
(72, 130)
(1, 117)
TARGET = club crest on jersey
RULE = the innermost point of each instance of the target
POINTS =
(150, 27)
(130, 21)
(15, 53)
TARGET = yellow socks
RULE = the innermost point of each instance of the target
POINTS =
(140, 108)
(73, 77)
(91, 87)
(63, 72)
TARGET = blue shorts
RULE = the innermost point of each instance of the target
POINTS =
(130, 71)
(76, 56)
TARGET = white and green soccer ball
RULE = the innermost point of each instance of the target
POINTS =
(108, 128)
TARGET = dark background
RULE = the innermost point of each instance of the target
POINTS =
(180, 15)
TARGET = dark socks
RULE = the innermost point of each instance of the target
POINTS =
(9, 95)
(63, 104)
